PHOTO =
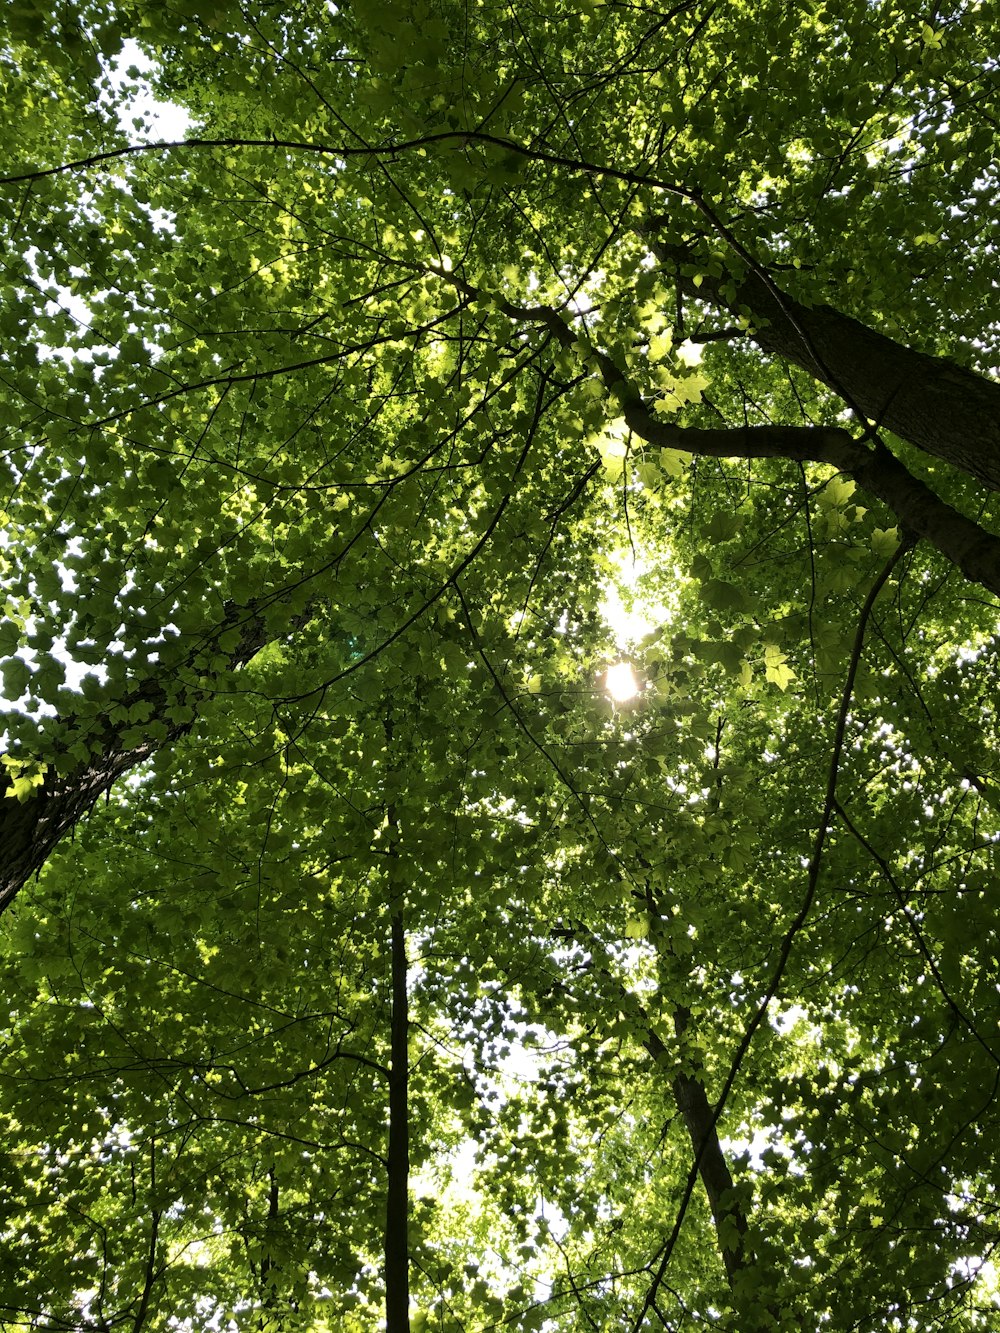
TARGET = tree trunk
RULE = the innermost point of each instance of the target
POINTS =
(30, 830)
(713, 1169)
(397, 1262)
(268, 1284)
(942, 408)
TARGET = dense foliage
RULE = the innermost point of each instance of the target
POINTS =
(330, 426)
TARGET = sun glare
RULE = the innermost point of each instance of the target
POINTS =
(629, 614)
(620, 682)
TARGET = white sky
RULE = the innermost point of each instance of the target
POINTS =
(166, 120)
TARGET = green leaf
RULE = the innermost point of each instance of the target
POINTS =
(721, 595)
(649, 475)
(16, 677)
(674, 462)
(885, 541)
(776, 668)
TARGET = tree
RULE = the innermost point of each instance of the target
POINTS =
(327, 425)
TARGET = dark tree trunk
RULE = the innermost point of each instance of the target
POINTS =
(268, 1283)
(29, 830)
(397, 1260)
(942, 408)
(713, 1169)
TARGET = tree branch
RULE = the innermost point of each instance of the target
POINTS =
(963, 542)
(971, 548)
(448, 139)
(942, 408)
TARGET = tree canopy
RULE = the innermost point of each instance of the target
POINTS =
(403, 978)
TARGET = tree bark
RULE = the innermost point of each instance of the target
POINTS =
(713, 1169)
(963, 542)
(938, 406)
(150, 1275)
(397, 1260)
(974, 550)
(30, 830)
(696, 1111)
(268, 1285)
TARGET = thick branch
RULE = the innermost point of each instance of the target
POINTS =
(700, 1120)
(149, 1278)
(799, 920)
(975, 551)
(448, 140)
(269, 1288)
(942, 408)
(397, 1196)
(971, 548)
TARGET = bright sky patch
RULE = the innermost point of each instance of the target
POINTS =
(620, 682)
